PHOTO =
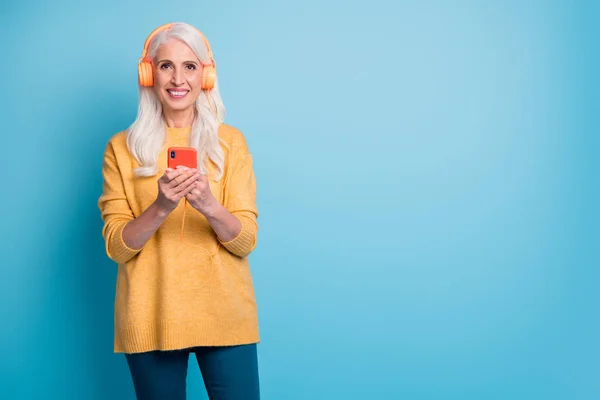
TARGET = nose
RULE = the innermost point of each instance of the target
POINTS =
(177, 78)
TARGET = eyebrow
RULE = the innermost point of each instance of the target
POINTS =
(185, 62)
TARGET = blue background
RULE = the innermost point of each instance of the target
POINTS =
(428, 188)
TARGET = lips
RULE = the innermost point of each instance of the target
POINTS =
(177, 93)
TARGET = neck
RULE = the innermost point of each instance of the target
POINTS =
(179, 118)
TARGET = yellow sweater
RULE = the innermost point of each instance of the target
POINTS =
(182, 289)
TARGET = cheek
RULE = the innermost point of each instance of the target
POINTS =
(162, 77)
(194, 79)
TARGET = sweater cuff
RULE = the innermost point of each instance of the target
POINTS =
(244, 242)
(116, 247)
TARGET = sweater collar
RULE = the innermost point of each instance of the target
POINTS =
(179, 132)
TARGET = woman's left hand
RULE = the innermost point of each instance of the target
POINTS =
(200, 197)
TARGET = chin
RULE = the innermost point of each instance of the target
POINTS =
(179, 107)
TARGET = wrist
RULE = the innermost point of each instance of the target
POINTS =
(213, 209)
(159, 210)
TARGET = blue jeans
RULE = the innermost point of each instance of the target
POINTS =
(229, 373)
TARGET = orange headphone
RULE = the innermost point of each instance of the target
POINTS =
(145, 72)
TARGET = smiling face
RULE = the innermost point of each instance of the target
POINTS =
(177, 76)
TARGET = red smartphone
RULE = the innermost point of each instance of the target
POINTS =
(184, 156)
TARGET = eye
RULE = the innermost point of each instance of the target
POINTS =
(191, 66)
(165, 66)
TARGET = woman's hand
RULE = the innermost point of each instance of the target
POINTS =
(174, 185)
(200, 197)
(224, 224)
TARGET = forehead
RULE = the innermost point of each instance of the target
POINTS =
(175, 49)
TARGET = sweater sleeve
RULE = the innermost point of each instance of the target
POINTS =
(240, 200)
(114, 209)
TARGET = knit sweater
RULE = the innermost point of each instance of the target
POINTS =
(185, 287)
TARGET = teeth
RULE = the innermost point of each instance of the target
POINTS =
(177, 93)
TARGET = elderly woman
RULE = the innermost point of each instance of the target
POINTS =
(181, 234)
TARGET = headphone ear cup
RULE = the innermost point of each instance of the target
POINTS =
(209, 76)
(145, 74)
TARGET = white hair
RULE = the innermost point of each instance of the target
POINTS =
(146, 135)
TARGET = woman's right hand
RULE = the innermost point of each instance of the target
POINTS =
(174, 185)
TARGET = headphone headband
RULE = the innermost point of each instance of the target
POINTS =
(168, 26)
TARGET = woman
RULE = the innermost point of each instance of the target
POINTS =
(181, 236)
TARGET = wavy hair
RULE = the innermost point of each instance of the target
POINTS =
(146, 135)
